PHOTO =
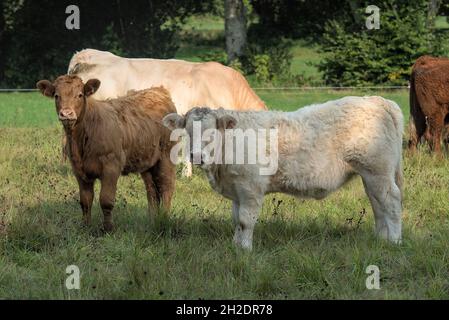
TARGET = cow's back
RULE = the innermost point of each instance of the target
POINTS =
(156, 102)
(131, 128)
(321, 145)
(225, 88)
(429, 80)
(141, 113)
(190, 84)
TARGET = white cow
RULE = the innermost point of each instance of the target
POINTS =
(190, 83)
(319, 148)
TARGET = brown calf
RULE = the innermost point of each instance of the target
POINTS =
(106, 139)
(429, 101)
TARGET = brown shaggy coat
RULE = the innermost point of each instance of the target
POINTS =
(429, 101)
(106, 139)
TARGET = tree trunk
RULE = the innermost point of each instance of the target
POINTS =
(432, 12)
(120, 18)
(235, 28)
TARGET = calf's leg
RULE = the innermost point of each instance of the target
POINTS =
(187, 169)
(164, 174)
(107, 198)
(417, 128)
(248, 212)
(152, 193)
(86, 199)
(436, 123)
(446, 140)
(235, 220)
(385, 197)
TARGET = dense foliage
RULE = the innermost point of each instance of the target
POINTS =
(299, 18)
(358, 56)
(268, 55)
(36, 44)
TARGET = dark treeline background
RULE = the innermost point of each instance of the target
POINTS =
(35, 44)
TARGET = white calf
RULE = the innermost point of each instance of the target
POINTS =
(319, 148)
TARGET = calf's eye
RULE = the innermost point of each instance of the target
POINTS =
(80, 95)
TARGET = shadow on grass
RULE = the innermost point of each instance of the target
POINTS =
(56, 224)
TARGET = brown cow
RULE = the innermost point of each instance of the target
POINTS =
(429, 101)
(106, 139)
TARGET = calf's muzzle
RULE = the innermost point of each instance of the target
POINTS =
(67, 115)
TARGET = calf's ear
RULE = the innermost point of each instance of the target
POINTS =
(91, 87)
(174, 121)
(46, 88)
(226, 122)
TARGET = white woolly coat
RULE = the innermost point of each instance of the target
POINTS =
(319, 148)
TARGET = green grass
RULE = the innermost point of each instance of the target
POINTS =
(441, 22)
(25, 110)
(302, 249)
(203, 23)
(201, 35)
(305, 58)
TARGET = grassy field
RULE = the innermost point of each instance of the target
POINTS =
(302, 249)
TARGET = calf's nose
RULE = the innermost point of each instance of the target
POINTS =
(67, 114)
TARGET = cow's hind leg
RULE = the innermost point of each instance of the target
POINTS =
(386, 201)
(446, 133)
(417, 128)
(436, 124)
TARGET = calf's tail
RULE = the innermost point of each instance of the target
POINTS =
(399, 178)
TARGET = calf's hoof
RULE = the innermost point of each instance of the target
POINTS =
(86, 221)
(247, 245)
(108, 227)
(393, 237)
(244, 245)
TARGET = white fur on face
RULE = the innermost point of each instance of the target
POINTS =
(200, 127)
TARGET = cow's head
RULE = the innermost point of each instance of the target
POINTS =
(206, 121)
(70, 95)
